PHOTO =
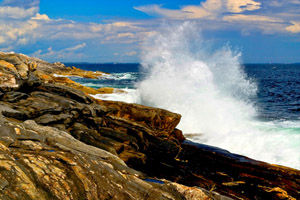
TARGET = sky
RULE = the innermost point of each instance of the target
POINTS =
(265, 31)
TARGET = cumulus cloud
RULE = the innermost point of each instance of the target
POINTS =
(207, 9)
(238, 6)
(17, 12)
(21, 3)
(21, 24)
(38, 16)
(270, 16)
(294, 28)
(59, 54)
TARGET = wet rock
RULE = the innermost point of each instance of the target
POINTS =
(229, 174)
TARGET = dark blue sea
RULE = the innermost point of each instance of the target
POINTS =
(278, 95)
(251, 109)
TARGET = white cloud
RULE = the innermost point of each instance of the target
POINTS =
(238, 6)
(295, 28)
(21, 24)
(250, 18)
(293, 2)
(58, 54)
(131, 53)
(21, 3)
(212, 5)
(79, 46)
(19, 32)
(194, 12)
(16, 12)
(2, 39)
(6, 49)
(41, 17)
(157, 10)
(206, 9)
(270, 16)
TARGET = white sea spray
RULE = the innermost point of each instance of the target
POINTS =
(213, 94)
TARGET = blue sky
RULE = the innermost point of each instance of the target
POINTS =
(114, 31)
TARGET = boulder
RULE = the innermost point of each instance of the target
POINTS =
(161, 121)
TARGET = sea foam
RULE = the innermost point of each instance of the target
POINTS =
(213, 94)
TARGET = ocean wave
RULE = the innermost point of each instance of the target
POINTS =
(214, 96)
(128, 95)
(120, 76)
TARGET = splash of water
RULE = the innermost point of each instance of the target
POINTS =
(212, 93)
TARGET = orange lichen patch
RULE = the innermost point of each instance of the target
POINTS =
(46, 77)
(70, 83)
(73, 71)
(63, 80)
(18, 132)
(233, 183)
(8, 65)
(85, 89)
(279, 192)
(105, 90)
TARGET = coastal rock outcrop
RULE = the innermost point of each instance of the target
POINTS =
(57, 142)
(40, 158)
(42, 162)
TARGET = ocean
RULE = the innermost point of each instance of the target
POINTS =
(248, 109)
(272, 134)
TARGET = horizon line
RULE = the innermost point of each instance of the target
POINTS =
(247, 63)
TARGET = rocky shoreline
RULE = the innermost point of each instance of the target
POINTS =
(57, 142)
